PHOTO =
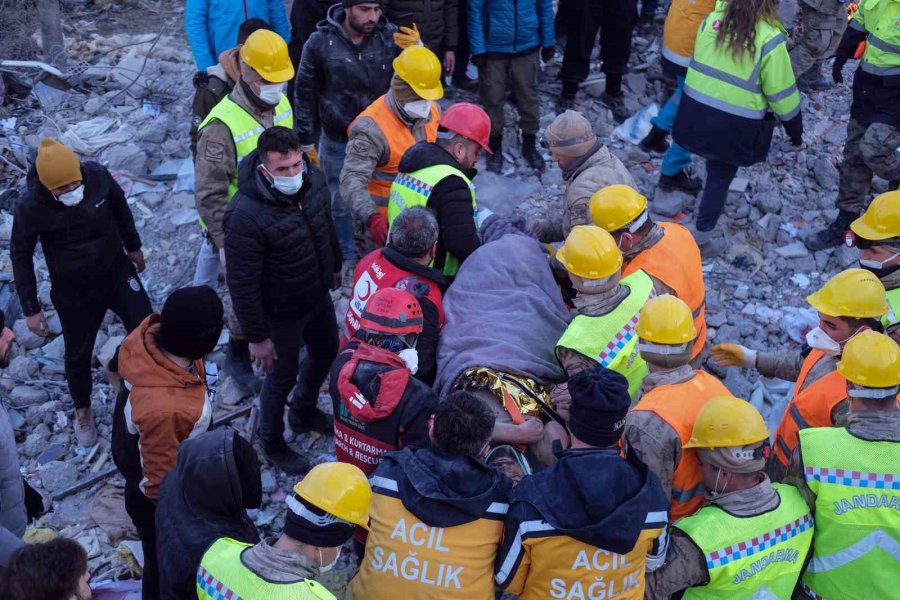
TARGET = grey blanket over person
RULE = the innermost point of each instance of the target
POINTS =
(504, 312)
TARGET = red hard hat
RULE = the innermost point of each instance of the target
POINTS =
(392, 311)
(469, 121)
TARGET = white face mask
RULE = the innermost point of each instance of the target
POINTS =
(72, 198)
(410, 358)
(271, 93)
(287, 185)
(325, 568)
(420, 109)
(819, 340)
(874, 264)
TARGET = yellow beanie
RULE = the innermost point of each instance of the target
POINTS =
(57, 166)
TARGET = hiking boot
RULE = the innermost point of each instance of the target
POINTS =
(495, 161)
(85, 429)
(284, 459)
(813, 81)
(237, 366)
(567, 97)
(681, 181)
(831, 236)
(304, 421)
(464, 82)
(617, 105)
(655, 141)
(531, 154)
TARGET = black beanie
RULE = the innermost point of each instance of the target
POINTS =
(307, 523)
(349, 3)
(191, 321)
(600, 402)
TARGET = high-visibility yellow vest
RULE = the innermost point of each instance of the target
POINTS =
(881, 20)
(611, 339)
(856, 550)
(414, 189)
(747, 88)
(245, 130)
(757, 557)
(892, 317)
(222, 575)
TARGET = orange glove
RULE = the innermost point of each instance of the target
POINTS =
(734, 355)
(313, 155)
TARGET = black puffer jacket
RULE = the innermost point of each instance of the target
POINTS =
(437, 21)
(451, 201)
(204, 498)
(337, 80)
(281, 252)
(84, 245)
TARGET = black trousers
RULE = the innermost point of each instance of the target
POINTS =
(719, 175)
(462, 50)
(81, 310)
(318, 330)
(142, 511)
(615, 20)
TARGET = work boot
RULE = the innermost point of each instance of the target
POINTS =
(617, 105)
(655, 141)
(831, 236)
(495, 161)
(646, 25)
(813, 81)
(681, 181)
(85, 430)
(531, 154)
(567, 97)
(709, 247)
(464, 82)
(304, 421)
(237, 366)
(284, 459)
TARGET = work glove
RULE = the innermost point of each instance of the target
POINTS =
(407, 36)
(836, 69)
(378, 228)
(734, 355)
(547, 54)
(312, 154)
(479, 60)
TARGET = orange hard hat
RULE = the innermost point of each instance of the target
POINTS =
(469, 121)
(392, 311)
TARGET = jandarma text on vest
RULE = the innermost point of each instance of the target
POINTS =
(783, 555)
(867, 501)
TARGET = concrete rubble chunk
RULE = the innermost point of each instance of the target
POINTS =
(109, 349)
(24, 395)
(57, 475)
(793, 250)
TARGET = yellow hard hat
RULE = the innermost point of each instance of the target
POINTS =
(617, 206)
(871, 359)
(340, 489)
(881, 220)
(420, 68)
(590, 252)
(267, 54)
(666, 320)
(853, 293)
(726, 422)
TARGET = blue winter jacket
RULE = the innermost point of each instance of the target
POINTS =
(510, 26)
(212, 25)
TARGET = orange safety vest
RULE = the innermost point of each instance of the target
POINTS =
(399, 139)
(810, 408)
(675, 261)
(678, 405)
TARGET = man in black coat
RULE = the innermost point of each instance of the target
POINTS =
(283, 257)
(80, 216)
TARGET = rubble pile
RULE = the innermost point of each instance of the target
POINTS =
(125, 102)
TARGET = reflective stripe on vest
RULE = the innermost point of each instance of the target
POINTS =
(678, 405)
(399, 139)
(680, 29)
(881, 20)
(611, 339)
(857, 534)
(893, 315)
(414, 189)
(715, 79)
(245, 130)
(675, 260)
(752, 557)
(222, 576)
(810, 407)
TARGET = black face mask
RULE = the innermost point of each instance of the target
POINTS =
(880, 273)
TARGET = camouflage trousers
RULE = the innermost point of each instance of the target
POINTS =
(869, 150)
(822, 28)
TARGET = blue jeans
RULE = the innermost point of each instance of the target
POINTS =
(331, 155)
(676, 158)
